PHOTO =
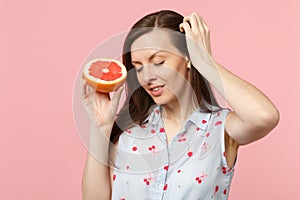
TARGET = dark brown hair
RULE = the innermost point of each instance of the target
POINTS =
(138, 101)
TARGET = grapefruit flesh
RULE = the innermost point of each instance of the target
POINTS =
(104, 74)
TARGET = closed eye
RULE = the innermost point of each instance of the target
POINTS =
(139, 69)
(158, 64)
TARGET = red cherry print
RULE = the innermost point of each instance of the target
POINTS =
(204, 121)
(190, 153)
(134, 148)
(179, 140)
(216, 188)
(128, 131)
(122, 199)
(183, 139)
(166, 167)
(157, 111)
(225, 192)
(218, 123)
(224, 169)
(114, 177)
(151, 148)
(153, 131)
(166, 187)
(224, 153)
(161, 130)
(197, 128)
(178, 171)
(198, 179)
(207, 134)
(147, 179)
(143, 126)
(127, 167)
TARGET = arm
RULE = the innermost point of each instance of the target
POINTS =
(96, 177)
(101, 111)
(254, 115)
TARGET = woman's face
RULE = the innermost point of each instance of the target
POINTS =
(161, 69)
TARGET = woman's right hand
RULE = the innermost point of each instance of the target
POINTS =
(100, 109)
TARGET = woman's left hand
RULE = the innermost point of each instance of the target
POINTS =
(198, 39)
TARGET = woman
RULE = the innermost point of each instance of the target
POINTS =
(171, 140)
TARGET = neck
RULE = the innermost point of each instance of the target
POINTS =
(179, 111)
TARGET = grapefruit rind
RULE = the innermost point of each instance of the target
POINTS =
(103, 85)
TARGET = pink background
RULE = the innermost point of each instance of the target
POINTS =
(43, 44)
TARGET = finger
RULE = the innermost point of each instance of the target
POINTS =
(201, 23)
(197, 18)
(89, 90)
(206, 34)
(101, 95)
(100, 100)
(83, 91)
(184, 26)
(116, 98)
(204, 24)
(192, 20)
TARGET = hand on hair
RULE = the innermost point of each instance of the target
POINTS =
(198, 38)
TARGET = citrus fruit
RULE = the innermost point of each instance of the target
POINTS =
(104, 74)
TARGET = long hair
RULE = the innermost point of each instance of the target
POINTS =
(138, 101)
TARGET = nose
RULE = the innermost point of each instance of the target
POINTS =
(148, 74)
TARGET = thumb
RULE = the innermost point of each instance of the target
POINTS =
(116, 99)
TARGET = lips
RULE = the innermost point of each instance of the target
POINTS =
(156, 90)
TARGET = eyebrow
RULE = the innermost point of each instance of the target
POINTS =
(151, 57)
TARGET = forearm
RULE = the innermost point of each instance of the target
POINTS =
(244, 98)
(96, 178)
(255, 115)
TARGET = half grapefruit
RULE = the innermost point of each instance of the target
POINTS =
(104, 74)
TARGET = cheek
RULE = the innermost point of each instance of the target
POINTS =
(139, 77)
(179, 73)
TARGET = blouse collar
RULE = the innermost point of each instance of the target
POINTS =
(198, 117)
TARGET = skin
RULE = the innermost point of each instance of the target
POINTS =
(253, 115)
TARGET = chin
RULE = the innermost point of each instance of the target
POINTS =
(161, 100)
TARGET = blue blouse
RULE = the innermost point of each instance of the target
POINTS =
(191, 166)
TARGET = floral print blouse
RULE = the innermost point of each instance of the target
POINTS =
(192, 166)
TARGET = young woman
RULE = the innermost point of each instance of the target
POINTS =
(171, 140)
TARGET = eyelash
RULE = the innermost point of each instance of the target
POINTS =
(155, 64)
(139, 69)
(158, 64)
